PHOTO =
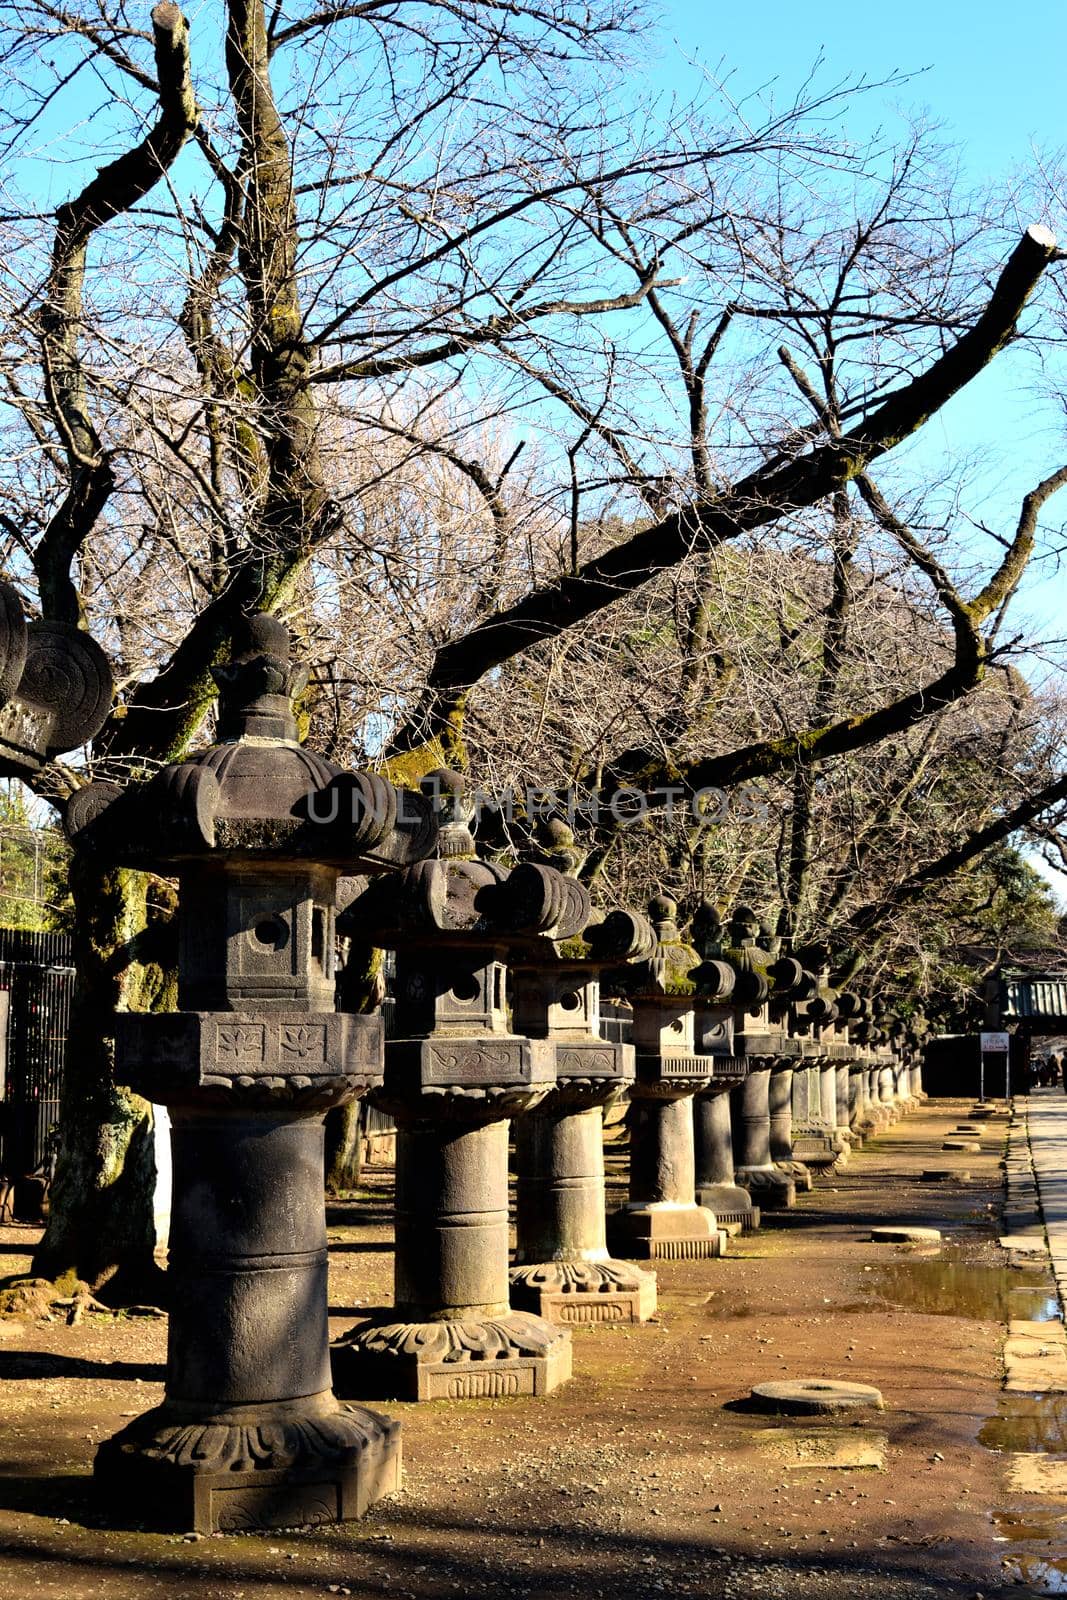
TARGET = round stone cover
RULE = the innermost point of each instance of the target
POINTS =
(811, 1396)
(905, 1235)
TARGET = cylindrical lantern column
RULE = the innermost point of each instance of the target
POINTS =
(780, 1107)
(774, 1189)
(716, 1187)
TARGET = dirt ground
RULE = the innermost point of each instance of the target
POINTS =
(640, 1477)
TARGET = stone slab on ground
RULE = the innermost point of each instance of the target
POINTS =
(1037, 1473)
(841, 1448)
(1045, 1121)
(1035, 1358)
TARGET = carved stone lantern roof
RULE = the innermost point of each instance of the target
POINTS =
(667, 973)
(56, 688)
(456, 924)
(751, 964)
(715, 978)
(257, 792)
(468, 900)
(761, 975)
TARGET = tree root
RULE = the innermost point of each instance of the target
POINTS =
(31, 1299)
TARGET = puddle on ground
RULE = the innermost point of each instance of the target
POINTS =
(1042, 1574)
(1028, 1423)
(1030, 1525)
(947, 1287)
(1031, 1424)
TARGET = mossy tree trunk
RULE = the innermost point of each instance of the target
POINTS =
(101, 1225)
(343, 1164)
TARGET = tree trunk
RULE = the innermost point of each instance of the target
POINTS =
(343, 1163)
(101, 1227)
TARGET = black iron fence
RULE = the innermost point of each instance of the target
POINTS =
(36, 984)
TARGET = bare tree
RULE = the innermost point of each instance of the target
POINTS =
(408, 311)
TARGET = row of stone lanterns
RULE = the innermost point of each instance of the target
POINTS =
(739, 1063)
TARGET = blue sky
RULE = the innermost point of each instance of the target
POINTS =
(994, 80)
(995, 75)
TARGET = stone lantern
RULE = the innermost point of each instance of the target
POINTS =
(835, 1035)
(455, 1072)
(916, 1037)
(876, 1115)
(790, 984)
(55, 688)
(898, 1034)
(257, 831)
(819, 1141)
(762, 1045)
(832, 1031)
(662, 1220)
(850, 1074)
(714, 1038)
(563, 1270)
(767, 998)
(885, 1070)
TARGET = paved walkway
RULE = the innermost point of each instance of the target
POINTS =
(1046, 1128)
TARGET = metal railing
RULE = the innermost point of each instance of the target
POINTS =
(36, 986)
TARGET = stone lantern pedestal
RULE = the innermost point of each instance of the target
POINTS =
(716, 1188)
(915, 1074)
(257, 831)
(755, 1168)
(844, 1109)
(563, 1271)
(763, 1047)
(874, 1117)
(880, 1110)
(857, 1101)
(780, 1108)
(455, 1072)
(715, 1028)
(661, 1220)
(812, 1141)
(903, 1087)
(250, 1434)
(835, 1058)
